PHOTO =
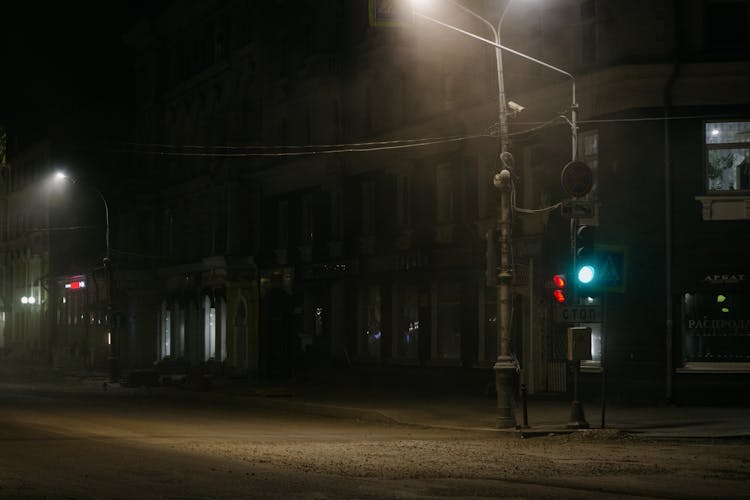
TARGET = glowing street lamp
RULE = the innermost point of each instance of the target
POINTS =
(61, 176)
(505, 366)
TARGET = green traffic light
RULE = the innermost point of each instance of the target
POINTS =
(586, 274)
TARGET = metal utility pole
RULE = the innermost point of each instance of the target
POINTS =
(112, 359)
(505, 366)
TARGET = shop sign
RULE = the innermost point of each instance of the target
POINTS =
(723, 324)
(75, 285)
(724, 279)
(613, 261)
(578, 314)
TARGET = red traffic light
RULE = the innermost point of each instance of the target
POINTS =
(559, 284)
(559, 280)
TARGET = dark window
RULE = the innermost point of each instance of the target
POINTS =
(588, 43)
(588, 10)
(725, 25)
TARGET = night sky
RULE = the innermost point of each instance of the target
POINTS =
(57, 56)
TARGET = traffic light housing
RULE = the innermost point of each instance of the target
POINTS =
(559, 287)
(585, 268)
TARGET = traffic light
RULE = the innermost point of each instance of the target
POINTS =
(490, 273)
(585, 270)
(559, 288)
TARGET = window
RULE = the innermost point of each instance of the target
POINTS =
(445, 198)
(589, 154)
(336, 223)
(449, 321)
(715, 328)
(209, 329)
(403, 200)
(165, 341)
(306, 226)
(372, 334)
(588, 32)
(368, 208)
(407, 343)
(725, 25)
(727, 156)
(282, 235)
(178, 349)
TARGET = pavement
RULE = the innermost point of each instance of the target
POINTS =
(450, 410)
(544, 416)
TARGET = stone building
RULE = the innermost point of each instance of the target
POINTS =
(311, 183)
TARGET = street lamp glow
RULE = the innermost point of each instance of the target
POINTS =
(24, 300)
(60, 175)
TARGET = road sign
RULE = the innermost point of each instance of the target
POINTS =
(612, 264)
(578, 209)
(578, 314)
(577, 179)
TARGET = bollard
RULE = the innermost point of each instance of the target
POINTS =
(525, 407)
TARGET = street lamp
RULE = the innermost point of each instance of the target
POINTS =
(502, 105)
(61, 176)
(505, 366)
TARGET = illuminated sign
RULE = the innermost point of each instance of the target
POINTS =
(75, 285)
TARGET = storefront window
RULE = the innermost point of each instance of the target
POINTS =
(490, 325)
(408, 324)
(449, 321)
(728, 156)
(716, 327)
(166, 331)
(372, 335)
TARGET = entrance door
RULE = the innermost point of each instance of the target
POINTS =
(240, 337)
(277, 336)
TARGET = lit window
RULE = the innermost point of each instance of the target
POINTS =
(372, 333)
(727, 156)
(715, 327)
(407, 346)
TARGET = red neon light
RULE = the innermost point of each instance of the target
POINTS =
(559, 296)
(559, 280)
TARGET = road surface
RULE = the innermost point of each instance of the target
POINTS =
(66, 442)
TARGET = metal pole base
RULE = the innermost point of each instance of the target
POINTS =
(577, 420)
(505, 373)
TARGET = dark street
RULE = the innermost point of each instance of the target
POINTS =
(375, 249)
(70, 440)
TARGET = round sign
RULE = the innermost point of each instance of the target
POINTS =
(577, 179)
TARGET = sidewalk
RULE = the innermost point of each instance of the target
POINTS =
(443, 410)
(545, 416)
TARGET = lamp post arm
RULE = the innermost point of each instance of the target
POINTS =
(106, 213)
(495, 32)
(502, 112)
(106, 219)
(496, 44)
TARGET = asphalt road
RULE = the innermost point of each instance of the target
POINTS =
(65, 442)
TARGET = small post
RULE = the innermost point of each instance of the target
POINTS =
(525, 407)
(579, 347)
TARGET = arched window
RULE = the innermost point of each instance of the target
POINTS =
(209, 329)
(165, 333)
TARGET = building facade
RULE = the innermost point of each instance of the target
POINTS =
(311, 183)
